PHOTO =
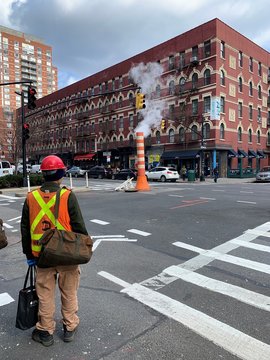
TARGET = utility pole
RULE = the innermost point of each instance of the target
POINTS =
(23, 140)
(202, 177)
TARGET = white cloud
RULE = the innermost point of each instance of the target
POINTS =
(6, 9)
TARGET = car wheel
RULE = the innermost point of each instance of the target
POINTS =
(163, 178)
(99, 176)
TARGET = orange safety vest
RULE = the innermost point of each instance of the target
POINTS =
(41, 215)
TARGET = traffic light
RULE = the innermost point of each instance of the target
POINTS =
(31, 98)
(25, 131)
(140, 101)
(163, 124)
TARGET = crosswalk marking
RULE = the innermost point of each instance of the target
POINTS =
(5, 299)
(100, 222)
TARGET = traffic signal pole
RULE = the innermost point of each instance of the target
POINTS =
(23, 144)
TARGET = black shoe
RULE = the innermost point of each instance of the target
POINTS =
(42, 337)
(69, 335)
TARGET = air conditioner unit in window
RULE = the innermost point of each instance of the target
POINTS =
(194, 60)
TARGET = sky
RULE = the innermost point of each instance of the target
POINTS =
(88, 36)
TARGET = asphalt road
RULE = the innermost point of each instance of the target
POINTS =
(179, 272)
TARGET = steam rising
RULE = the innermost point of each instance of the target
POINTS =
(147, 77)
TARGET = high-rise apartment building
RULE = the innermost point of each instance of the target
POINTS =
(23, 58)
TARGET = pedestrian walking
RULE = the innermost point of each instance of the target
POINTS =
(215, 171)
(38, 216)
(183, 172)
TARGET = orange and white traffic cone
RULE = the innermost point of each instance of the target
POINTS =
(142, 183)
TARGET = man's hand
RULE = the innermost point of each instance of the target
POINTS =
(31, 262)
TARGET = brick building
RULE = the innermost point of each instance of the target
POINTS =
(22, 58)
(215, 84)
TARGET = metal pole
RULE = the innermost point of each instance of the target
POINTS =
(202, 178)
(23, 144)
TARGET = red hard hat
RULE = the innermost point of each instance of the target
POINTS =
(52, 162)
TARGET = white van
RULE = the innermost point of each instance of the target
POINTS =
(35, 169)
(5, 168)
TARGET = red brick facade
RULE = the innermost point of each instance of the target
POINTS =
(209, 65)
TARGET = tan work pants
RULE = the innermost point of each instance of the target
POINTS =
(68, 283)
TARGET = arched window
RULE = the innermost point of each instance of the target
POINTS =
(258, 136)
(222, 77)
(158, 137)
(240, 84)
(250, 135)
(250, 89)
(194, 81)
(171, 87)
(158, 91)
(206, 131)
(194, 132)
(222, 131)
(121, 139)
(182, 85)
(120, 101)
(259, 92)
(207, 77)
(239, 134)
(131, 140)
(181, 134)
(171, 136)
(130, 98)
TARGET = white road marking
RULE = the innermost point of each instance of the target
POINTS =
(218, 190)
(100, 222)
(107, 236)
(97, 242)
(247, 202)
(16, 218)
(8, 197)
(8, 226)
(3, 204)
(14, 230)
(114, 279)
(5, 299)
(253, 246)
(247, 192)
(221, 334)
(257, 233)
(11, 201)
(139, 232)
(179, 196)
(205, 198)
(246, 296)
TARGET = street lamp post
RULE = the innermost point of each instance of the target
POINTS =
(202, 177)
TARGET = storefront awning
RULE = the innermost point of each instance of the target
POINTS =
(251, 153)
(232, 153)
(84, 157)
(260, 154)
(242, 154)
(188, 154)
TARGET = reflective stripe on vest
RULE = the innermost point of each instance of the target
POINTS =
(45, 209)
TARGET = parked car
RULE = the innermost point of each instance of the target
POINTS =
(75, 171)
(5, 168)
(35, 169)
(163, 174)
(125, 174)
(20, 169)
(263, 174)
(100, 172)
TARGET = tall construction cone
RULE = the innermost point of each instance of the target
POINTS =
(142, 184)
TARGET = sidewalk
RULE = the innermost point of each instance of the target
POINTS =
(22, 192)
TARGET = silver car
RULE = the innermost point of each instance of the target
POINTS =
(75, 171)
(263, 174)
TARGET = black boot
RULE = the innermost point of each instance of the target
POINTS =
(69, 335)
(42, 337)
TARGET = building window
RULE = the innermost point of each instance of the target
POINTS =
(195, 51)
(194, 132)
(240, 59)
(259, 92)
(171, 62)
(181, 59)
(194, 81)
(171, 112)
(239, 134)
(222, 77)
(181, 135)
(222, 104)
(182, 85)
(207, 104)
(131, 140)
(158, 91)
(171, 136)
(240, 110)
(206, 131)
(120, 102)
(250, 112)
(171, 87)
(207, 77)
(258, 136)
(259, 68)
(259, 115)
(207, 48)
(240, 84)
(158, 137)
(249, 136)
(250, 89)
(131, 121)
(222, 49)
(222, 131)
(121, 122)
(195, 107)
(120, 82)
(251, 64)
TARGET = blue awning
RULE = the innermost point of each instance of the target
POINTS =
(260, 154)
(251, 153)
(242, 153)
(188, 154)
(232, 153)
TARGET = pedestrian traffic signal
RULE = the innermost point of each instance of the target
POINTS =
(25, 131)
(163, 124)
(31, 98)
(140, 101)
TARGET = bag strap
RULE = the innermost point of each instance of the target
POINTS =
(57, 204)
(32, 272)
